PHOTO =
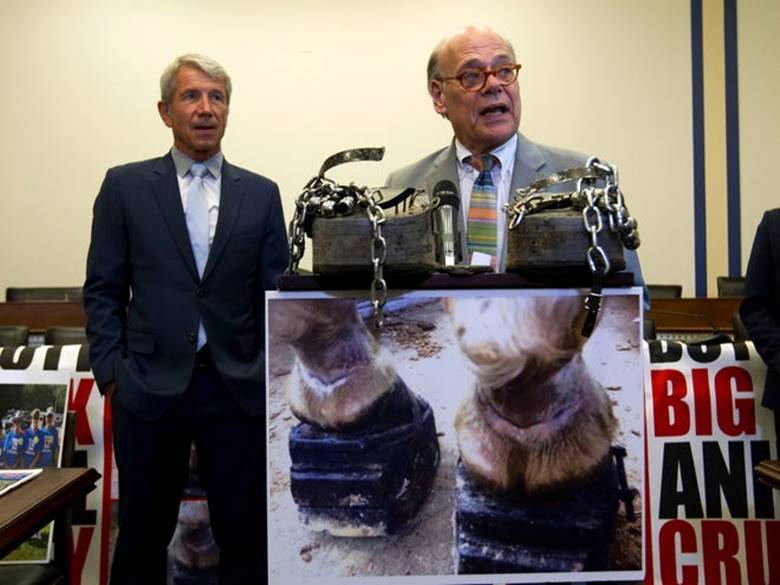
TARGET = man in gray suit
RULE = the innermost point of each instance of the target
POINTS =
(472, 79)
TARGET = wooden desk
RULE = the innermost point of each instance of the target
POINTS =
(671, 315)
(31, 506)
(693, 315)
(769, 472)
(40, 315)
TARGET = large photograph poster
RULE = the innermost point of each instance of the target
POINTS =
(335, 513)
(712, 522)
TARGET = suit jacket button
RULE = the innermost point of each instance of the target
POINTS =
(200, 292)
(192, 338)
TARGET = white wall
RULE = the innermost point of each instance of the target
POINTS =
(759, 88)
(310, 78)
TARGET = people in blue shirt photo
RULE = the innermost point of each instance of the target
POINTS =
(2, 445)
(33, 441)
(14, 443)
(51, 441)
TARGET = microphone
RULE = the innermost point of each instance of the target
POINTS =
(445, 219)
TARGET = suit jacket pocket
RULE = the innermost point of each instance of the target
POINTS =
(139, 342)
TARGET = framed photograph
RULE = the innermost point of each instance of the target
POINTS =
(476, 437)
(32, 410)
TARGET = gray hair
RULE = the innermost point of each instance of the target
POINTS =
(205, 64)
(433, 60)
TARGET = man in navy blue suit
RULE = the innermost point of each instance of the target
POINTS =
(183, 248)
(760, 308)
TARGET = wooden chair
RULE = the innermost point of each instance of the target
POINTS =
(740, 331)
(664, 291)
(13, 335)
(65, 336)
(56, 571)
(649, 333)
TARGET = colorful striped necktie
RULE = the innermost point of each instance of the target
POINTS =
(481, 225)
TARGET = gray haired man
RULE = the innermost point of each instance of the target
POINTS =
(472, 81)
(197, 241)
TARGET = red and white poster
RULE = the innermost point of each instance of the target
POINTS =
(712, 522)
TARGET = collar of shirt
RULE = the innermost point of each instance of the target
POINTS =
(502, 178)
(183, 163)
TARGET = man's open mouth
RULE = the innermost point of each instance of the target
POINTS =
(494, 110)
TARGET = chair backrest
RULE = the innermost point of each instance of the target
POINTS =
(649, 329)
(730, 286)
(44, 293)
(740, 331)
(13, 335)
(664, 291)
(65, 336)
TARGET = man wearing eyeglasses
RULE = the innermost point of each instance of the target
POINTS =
(472, 80)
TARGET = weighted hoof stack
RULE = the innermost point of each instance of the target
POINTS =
(371, 480)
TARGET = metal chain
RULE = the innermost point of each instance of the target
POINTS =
(376, 216)
(608, 199)
(321, 197)
(591, 219)
(597, 195)
(597, 259)
(297, 241)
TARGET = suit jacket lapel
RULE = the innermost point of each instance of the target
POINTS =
(165, 186)
(444, 169)
(529, 164)
(230, 199)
